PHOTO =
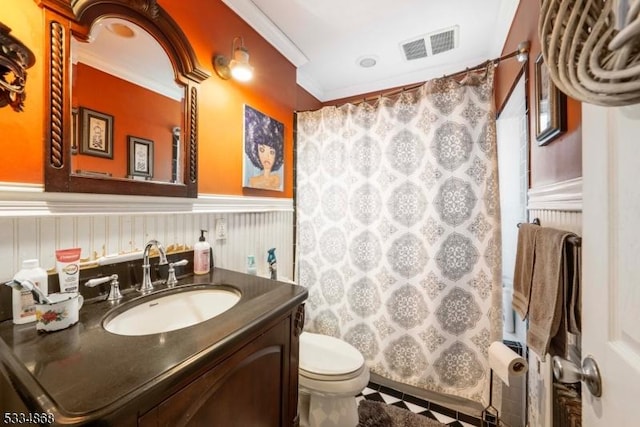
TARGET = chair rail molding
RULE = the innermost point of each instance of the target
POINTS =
(559, 196)
(18, 199)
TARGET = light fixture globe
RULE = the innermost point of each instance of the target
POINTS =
(238, 68)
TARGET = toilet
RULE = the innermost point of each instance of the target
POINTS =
(331, 373)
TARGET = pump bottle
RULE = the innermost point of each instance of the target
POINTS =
(201, 255)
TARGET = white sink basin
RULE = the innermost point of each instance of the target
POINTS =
(171, 312)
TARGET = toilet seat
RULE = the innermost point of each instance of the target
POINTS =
(328, 359)
(340, 377)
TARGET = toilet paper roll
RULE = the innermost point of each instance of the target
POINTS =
(505, 362)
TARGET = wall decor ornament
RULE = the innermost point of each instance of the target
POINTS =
(97, 133)
(551, 105)
(15, 58)
(263, 159)
(591, 49)
(140, 157)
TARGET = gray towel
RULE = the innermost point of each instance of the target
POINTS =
(547, 314)
(574, 308)
(523, 274)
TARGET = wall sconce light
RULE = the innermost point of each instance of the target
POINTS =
(238, 67)
(523, 51)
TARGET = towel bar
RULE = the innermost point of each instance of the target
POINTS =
(573, 240)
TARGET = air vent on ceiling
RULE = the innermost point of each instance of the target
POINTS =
(431, 44)
(415, 49)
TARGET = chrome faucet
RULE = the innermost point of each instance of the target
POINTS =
(146, 286)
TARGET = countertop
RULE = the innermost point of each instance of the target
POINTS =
(84, 373)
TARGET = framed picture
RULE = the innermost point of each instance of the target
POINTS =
(140, 157)
(263, 160)
(97, 133)
(551, 109)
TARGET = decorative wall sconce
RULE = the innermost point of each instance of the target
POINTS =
(523, 51)
(238, 67)
(15, 58)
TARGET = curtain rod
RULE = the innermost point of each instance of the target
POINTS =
(522, 48)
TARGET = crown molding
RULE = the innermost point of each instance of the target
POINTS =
(252, 15)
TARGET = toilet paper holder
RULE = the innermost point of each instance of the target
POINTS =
(568, 372)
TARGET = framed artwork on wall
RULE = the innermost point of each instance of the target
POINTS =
(263, 160)
(140, 157)
(551, 105)
(96, 133)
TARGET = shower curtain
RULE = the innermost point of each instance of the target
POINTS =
(398, 233)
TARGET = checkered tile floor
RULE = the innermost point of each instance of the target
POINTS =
(419, 406)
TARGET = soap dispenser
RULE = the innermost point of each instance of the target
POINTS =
(201, 255)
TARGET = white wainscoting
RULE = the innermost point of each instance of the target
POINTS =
(559, 206)
(33, 224)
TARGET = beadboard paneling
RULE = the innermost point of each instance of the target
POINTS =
(253, 226)
(562, 220)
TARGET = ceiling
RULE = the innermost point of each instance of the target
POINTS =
(326, 39)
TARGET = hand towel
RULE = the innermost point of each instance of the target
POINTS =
(547, 314)
(574, 309)
(523, 273)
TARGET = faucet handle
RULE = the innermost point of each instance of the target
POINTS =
(179, 263)
(114, 292)
(171, 279)
(98, 281)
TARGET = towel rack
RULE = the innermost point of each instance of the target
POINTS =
(572, 240)
(535, 221)
(575, 241)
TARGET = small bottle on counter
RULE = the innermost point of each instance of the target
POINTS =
(201, 255)
(273, 265)
(251, 265)
(24, 309)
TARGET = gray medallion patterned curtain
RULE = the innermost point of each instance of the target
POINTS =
(398, 231)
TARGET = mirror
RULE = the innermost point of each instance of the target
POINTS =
(128, 134)
(122, 100)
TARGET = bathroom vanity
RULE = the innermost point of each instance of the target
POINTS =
(239, 368)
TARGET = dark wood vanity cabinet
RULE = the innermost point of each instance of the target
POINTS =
(256, 385)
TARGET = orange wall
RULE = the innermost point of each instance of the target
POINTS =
(561, 159)
(210, 27)
(306, 101)
(21, 143)
(127, 104)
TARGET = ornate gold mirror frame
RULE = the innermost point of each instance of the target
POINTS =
(67, 18)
